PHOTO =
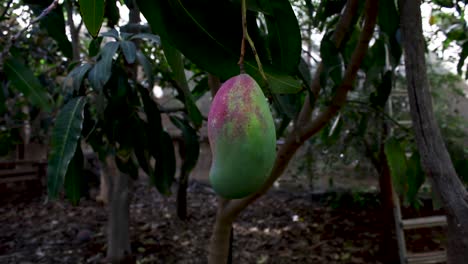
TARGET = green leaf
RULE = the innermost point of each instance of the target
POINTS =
(92, 12)
(174, 58)
(165, 164)
(201, 88)
(332, 62)
(100, 74)
(147, 67)
(284, 36)
(463, 55)
(54, 23)
(153, 38)
(415, 176)
(397, 162)
(65, 137)
(388, 20)
(189, 149)
(75, 77)
(24, 80)
(288, 104)
(217, 36)
(444, 3)
(95, 46)
(74, 182)
(129, 51)
(112, 33)
(112, 13)
(380, 97)
(127, 166)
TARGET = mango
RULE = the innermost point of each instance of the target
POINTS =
(242, 138)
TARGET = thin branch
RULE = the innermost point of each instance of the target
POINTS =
(381, 111)
(74, 31)
(285, 153)
(246, 36)
(342, 29)
(6, 10)
(244, 33)
(350, 75)
(43, 14)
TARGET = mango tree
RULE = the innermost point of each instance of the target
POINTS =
(99, 100)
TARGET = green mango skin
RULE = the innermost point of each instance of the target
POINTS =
(242, 138)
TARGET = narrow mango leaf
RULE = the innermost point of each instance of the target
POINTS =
(189, 150)
(3, 106)
(92, 12)
(102, 70)
(112, 33)
(53, 23)
(397, 163)
(415, 176)
(379, 98)
(288, 104)
(24, 80)
(147, 36)
(165, 164)
(218, 36)
(95, 46)
(388, 21)
(128, 50)
(284, 36)
(332, 62)
(147, 67)
(201, 88)
(141, 143)
(278, 82)
(112, 13)
(75, 77)
(65, 137)
(462, 57)
(174, 58)
(74, 182)
(127, 166)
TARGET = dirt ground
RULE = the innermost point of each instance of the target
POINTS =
(281, 227)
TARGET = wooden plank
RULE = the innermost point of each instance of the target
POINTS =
(427, 257)
(18, 172)
(424, 222)
(19, 178)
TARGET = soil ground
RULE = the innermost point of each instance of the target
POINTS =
(282, 227)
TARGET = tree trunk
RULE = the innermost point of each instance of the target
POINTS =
(118, 248)
(388, 246)
(182, 194)
(220, 242)
(435, 158)
(74, 31)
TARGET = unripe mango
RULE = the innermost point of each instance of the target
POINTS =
(242, 138)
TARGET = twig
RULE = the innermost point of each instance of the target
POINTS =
(379, 110)
(44, 13)
(245, 36)
(6, 10)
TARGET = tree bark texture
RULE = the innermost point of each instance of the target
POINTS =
(221, 236)
(118, 248)
(182, 194)
(435, 158)
(228, 210)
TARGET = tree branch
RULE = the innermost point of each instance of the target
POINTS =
(342, 29)
(285, 153)
(74, 31)
(6, 10)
